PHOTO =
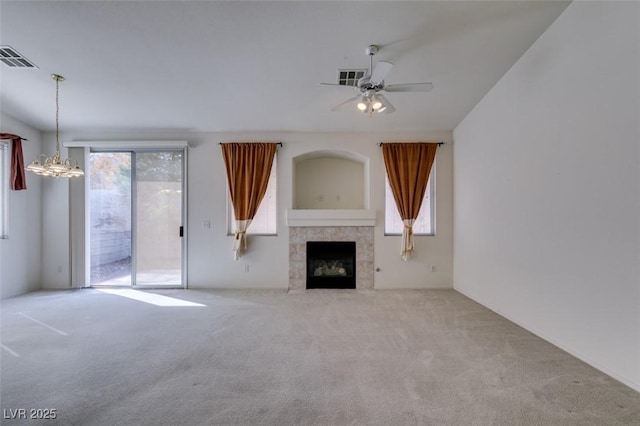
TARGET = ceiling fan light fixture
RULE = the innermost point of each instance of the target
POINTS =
(376, 103)
(363, 105)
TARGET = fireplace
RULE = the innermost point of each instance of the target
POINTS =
(331, 264)
(325, 212)
(299, 235)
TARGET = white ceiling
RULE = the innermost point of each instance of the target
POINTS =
(256, 66)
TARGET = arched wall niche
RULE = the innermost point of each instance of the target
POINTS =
(330, 180)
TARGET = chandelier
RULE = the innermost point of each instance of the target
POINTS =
(45, 165)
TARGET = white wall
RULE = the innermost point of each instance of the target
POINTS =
(547, 189)
(210, 261)
(20, 254)
(55, 225)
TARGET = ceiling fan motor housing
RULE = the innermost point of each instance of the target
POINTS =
(364, 84)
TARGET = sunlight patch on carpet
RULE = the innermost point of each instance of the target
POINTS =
(151, 298)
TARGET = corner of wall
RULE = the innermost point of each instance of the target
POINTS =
(21, 252)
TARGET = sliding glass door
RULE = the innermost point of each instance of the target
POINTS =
(110, 224)
(158, 218)
(136, 218)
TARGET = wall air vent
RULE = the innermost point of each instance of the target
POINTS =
(11, 58)
(350, 77)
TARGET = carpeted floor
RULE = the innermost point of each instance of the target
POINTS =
(272, 358)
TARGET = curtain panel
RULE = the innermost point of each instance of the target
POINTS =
(248, 168)
(408, 167)
(18, 180)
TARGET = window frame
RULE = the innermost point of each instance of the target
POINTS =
(272, 185)
(432, 206)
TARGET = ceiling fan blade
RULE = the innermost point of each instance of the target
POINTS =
(348, 101)
(380, 72)
(410, 87)
(389, 106)
(339, 85)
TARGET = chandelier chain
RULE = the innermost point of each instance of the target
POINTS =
(57, 117)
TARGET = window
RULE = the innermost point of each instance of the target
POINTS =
(264, 223)
(424, 224)
(4, 189)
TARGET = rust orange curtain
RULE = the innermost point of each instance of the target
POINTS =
(18, 179)
(248, 168)
(408, 167)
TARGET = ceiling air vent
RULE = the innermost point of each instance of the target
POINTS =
(11, 58)
(350, 77)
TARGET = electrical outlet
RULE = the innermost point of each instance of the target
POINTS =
(206, 224)
(246, 268)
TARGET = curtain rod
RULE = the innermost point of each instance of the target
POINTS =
(439, 143)
(277, 143)
(22, 139)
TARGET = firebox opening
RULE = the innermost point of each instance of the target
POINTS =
(331, 264)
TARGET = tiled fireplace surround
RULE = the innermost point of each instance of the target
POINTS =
(299, 235)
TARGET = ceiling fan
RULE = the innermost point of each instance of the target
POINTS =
(369, 99)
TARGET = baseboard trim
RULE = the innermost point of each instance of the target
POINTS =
(569, 350)
(435, 287)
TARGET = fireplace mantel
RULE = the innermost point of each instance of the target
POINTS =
(304, 217)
